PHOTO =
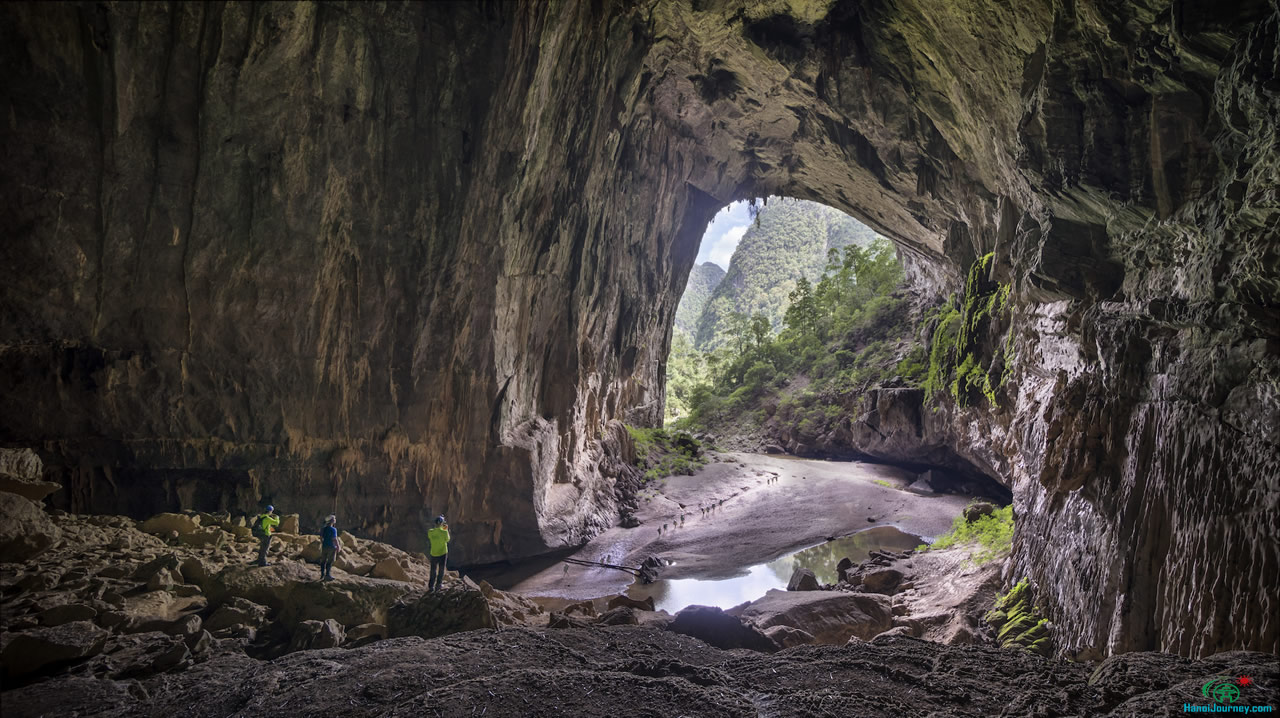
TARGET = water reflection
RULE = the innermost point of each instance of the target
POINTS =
(673, 595)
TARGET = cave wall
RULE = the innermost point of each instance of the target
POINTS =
(401, 260)
(334, 256)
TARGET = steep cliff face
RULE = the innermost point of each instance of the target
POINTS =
(338, 257)
(397, 261)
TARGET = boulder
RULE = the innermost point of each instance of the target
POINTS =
(353, 563)
(787, 637)
(20, 473)
(26, 531)
(162, 524)
(722, 630)
(389, 568)
(163, 580)
(914, 626)
(842, 567)
(581, 608)
(21, 464)
(313, 635)
(624, 600)
(199, 643)
(188, 625)
(774, 449)
(560, 620)
(67, 613)
(141, 655)
(290, 588)
(975, 511)
(375, 631)
(244, 634)
(33, 490)
(620, 616)
(802, 579)
(920, 486)
(237, 611)
(289, 524)
(310, 552)
(195, 570)
(39, 580)
(30, 651)
(210, 537)
(895, 631)
(830, 617)
(439, 613)
(883, 580)
(157, 610)
(118, 570)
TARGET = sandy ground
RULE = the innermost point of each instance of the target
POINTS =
(745, 509)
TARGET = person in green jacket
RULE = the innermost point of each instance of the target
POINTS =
(263, 526)
(439, 538)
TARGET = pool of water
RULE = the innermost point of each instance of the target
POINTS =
(755, 581)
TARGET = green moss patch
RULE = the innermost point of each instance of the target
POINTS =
(990, 536)
(1018, 623)
(661, 453)
(958, 363)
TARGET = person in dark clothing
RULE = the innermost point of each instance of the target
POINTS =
(439, 540)
(329, 547)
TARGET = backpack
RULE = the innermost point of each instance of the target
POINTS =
(257, 526)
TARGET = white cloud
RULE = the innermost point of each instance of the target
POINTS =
(723, 234)
(722, 249)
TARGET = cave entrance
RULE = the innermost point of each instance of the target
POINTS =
(798, 333)
(789, 301)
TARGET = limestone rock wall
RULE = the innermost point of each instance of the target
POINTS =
(340, 257)
(410, 259)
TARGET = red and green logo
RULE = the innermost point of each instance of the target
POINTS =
(1223, 689)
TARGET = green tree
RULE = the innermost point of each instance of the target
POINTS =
(738, 330)
(761, 329)
(802, 315)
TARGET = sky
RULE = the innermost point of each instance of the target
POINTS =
(723, 234)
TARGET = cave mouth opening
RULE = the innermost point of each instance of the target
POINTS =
(786, 296)
(794, 313)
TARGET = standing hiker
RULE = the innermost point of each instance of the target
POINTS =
(263, 527)
(439, 538)
(329, 547)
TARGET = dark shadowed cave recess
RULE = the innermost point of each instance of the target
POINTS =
(396, 260)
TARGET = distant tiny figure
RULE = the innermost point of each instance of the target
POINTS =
(329, 547)
(439, 538)
(263, 526)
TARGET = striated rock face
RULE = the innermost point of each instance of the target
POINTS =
(401, 261)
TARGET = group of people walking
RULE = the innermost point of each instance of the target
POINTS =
(264, 527)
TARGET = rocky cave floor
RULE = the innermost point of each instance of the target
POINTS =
(650, 672)
(107, 615)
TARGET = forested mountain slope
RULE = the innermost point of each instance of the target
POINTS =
(789, 240)
(703, 280)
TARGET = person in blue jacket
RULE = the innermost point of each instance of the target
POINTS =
(329, 547)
